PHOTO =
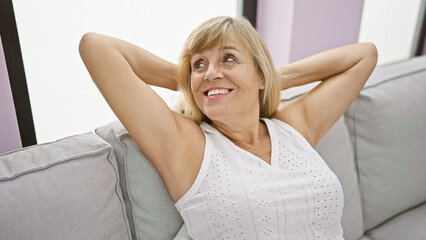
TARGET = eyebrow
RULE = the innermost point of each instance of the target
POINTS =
(229, 47)
(223, 48)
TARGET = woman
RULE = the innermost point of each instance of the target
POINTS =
(236, 165)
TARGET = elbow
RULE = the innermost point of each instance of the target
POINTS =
(371, 52)
(83, 46)
(87, 43)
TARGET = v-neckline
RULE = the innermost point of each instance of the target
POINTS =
(271, 138)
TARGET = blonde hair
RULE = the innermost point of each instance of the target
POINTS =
(217, 30)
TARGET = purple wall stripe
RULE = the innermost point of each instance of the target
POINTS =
(9, 131)
(321, 25)
(275, 23)
(424, 48)
(295, 29)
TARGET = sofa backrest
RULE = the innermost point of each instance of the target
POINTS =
(387, 125)
(67, 189)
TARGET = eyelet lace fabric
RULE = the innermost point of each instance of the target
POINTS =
(237, 195)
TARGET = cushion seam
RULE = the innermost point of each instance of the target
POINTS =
(126, 183)
(55, 163)
(117, 186)
(395, 216)
(356, 161)
(356, 141)
(42, 144)
(394, 78)
(366, 87)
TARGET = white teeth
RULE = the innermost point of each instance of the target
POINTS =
(217, 92)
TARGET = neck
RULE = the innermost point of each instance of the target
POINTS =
(247, 132)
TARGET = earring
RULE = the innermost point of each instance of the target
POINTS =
(262, 87)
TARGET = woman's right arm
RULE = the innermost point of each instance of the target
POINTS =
(148, 67)
(121, 71)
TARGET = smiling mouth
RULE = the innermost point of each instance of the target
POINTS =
(216, 92)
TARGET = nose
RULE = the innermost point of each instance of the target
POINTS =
(213, 72)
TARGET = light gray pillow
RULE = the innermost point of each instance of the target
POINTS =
(67, 189)
(388, 127)
(151, 210)
(182, 234)
(408, 225)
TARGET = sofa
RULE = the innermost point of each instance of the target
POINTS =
(100, 185)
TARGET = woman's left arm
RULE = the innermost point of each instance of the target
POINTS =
(343, 72)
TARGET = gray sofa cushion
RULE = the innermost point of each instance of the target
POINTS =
(182, 234)
(408, 225)
(150, 207)
(67, 189)
(388, 129)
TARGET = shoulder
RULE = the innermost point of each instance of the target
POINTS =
(293, 115)
(286, 134)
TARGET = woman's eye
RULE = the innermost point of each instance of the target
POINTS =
(199, 65)
(229, 59)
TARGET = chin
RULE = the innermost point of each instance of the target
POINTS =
(217, 115)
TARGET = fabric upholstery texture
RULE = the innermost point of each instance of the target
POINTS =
(67, 189)
(182, 234)
(148, 202)
(408, 225)
(388, 132)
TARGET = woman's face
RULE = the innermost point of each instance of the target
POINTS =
(224, 81)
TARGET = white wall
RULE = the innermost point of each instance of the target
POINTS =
(63, 98)
(391, 25)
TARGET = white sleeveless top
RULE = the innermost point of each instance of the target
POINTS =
(237, 195)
